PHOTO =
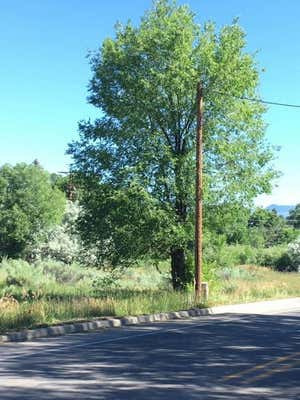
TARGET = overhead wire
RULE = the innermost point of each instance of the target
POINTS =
(255, 100)
(273, 103)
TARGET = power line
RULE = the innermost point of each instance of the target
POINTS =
(254, 100)
(273, 103)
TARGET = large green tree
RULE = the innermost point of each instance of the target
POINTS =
(28, 203)
(144, 82)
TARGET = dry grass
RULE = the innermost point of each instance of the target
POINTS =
(252, 283)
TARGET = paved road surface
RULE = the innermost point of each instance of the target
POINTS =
(225, 357)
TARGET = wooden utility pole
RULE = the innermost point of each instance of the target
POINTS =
(199, 193)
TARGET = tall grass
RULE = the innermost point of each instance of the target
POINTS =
(252, 283)
(49, 293)
(121, 303)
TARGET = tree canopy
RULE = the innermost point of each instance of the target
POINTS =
(294, 217)
(28, 203)
(269, 228)
(144, 85)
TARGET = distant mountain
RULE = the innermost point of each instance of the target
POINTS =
(281, 209)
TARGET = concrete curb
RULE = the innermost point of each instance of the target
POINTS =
(88, 326)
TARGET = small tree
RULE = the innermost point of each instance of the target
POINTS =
(28, 203)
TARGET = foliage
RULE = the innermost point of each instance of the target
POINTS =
(236, 273)
(280, 257)
(56, 243)
(55, 280)
(293, 252)
(28, 203)
(44, 279)
(275, 257)
(66, 184)
(59, 181)
(217, 252)
(61, 242)
(144, 83)
(109, 281)
(230, 221)
(224, 256)
(269, 228)
(117, 223)
(294, 217)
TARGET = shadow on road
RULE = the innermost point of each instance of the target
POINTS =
(182, 360)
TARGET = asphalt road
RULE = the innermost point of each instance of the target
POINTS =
(218, 357)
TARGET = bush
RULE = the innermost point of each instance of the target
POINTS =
(61, 243)
(293, 252)
(285, 264)
(26, 281)
(232, 274)
(65, 274)
(276, 257)
(57, 244)
(269, 257)
(22, 280)
(217, 252)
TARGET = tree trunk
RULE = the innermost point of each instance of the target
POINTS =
(178, 269)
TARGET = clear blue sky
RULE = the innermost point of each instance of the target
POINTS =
(44, 73)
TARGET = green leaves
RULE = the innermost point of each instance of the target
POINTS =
(294, 217)
(144, 82)
(125, 224)
(28, 203)
(270, 226)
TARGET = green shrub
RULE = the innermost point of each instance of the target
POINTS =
(293, 253)
(227, 256)
(61, 242)
(268, 257)
(281, 257)
(235, 273)
(285, 263)
(276, 257)
(63, 273)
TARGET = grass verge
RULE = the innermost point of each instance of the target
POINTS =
(53, 303)
(120, 303)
